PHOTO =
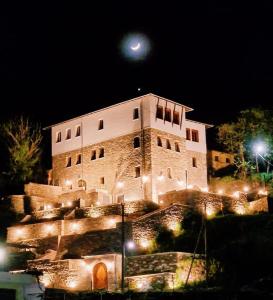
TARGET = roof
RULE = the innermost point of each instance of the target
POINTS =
(120, 103)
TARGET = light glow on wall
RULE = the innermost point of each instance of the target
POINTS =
(262, 192)
(145, 178)
(68, 182)
(245, 188)
(190, 186)
(209, 211)
(75, 226)
(97, 202)
(48, 207)
(144, 243)
(69, 203)
(71, 284)
(160, 177)
(180, 182)
(204, 189)
(19, 232)
(236, 195)
(240, 210)
(220, 192)
(120, 184)
(49, 228)
(112, 222)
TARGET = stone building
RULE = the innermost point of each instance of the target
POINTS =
(219, 160)
(134, 150)
(144, 153)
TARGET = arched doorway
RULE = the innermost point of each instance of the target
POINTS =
(82, 184)
(100, 277)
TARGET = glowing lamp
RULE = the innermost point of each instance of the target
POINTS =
(88, 267)
(49, 228)
(209, 211)
(69, 203)
(240, 210)
(98, 203)
(131, 245)
(205, 189)
(161, 201)
(139, 285)
(259, 148)
(190, 186)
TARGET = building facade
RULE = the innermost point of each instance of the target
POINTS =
(137, 149)
(218, 160)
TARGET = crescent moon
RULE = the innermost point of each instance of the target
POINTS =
(136, 47)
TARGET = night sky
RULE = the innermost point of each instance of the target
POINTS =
(59, 60)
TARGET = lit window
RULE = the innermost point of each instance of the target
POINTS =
(227, 160)
(159, 112)
(176, 117)
(159, 142)
(194, 162)
(102, 180)
(168, 113)
(101, 153)
(68, 162)
(68, 134)
(135, 114)
(168, 144)
(93, 155)
(216, 158)
(137, 172)
(195, 135)
(188, 134)
(78, 131)
(79, 159)
(136, 142)
(177, 149)
(169, 173)
(100, 125)
(58, 137)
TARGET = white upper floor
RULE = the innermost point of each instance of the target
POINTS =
(147, 111)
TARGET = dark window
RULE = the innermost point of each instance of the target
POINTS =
(168, 144)
(135, 114)
(93, 155)
(79, 159)
(137, 172)
(68, 134)
(195, 135)
(227, 160)
(102, 180)
(194, 162)
(159, 112)
(188, 134)
(169, 173)
(168, 113)
(101, 153)
(177, 149)
(100, 125)
(78, 131)
(58, 137)
(68, 162)
(136, 142)
(176, 117)
(159, 142)
(216, 158)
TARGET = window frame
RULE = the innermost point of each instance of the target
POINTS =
(136, 138)
(68, 162)
(78, 131)
(68, 134)
(79, 159)
(93, 155)
(58, 134)
(101, 124)
(136, 113)
(195, 135)
(168, 115)
(176, 117)
(194, 162)
(137, 172)
(159, 112)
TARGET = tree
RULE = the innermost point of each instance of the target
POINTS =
(22, 140)
(238, 136)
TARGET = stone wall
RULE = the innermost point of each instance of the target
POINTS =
(163, 270)
(42, 190)
(154, 263)
(60, 227)
(121, 158)
(17, 203)
(213, 203)
(144, 229)
(259, 205)
(77, 274)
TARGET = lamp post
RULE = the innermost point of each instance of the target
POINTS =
(122, 247)
(259, 149)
